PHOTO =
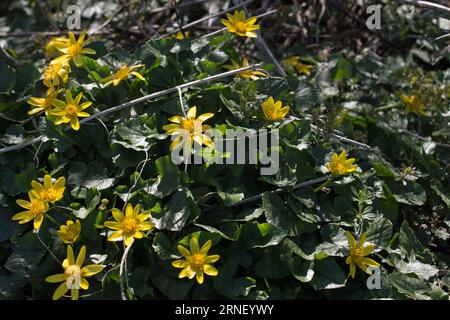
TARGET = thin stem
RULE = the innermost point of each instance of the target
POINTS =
(323, 185)
(122, 266)
(47, 248)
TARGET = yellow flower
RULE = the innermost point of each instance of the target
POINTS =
(73, 50)
(70, 232)
(196, 262)
(130, 225)
(35, 211)
(247, 74)
(48, 192)
(70, 110)
(293, 64)
(180, 35)
(274, 111)
(43, 104)
(339, 165)
(50, 48)
(189, 129)
(414, 105)
(238, 24)
(358, 253)
(123, 73)
(74, 275)
(56, 73)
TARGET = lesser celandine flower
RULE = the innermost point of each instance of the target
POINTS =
(74, 275)
(73, 50)
(123, 73)
(180, 35)
(56, 74)
(247, 74)
(274, 111)
(196, 262)
(49, 192)
(69, 232)
(70, 110)
(40, 105)
(293, 64)
(50, 49)
(237, 23)
(339, 164)
(189, 129)
(35, 211)
(414, 105)
(130, 225)
(358, 253)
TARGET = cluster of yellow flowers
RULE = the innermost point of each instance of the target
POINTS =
(40, 198)
(56, 74)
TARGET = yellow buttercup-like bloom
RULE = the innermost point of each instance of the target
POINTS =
(293, 64)
(123, 73)
(274, 111)
(50, 49)
(74, 275)
(40, 105)
(35, 211)
(358, 253)
(196, 262)
(130, 225)
(414, 105)
(237, 23)
(189, 129)
(70, 110)
(69, 232)
(56, 74)
(180, 35)
(73, 50)
(247, 74)
(49, 192)
(339, 165)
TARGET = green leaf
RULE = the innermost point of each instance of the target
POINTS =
(410, 286)
(379, 232)
(279, 216)
(138, 133)
(327, 275)
(260, 235)
(168, 178)
(175, 213)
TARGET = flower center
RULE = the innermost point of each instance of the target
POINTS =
(49, 194)
(188, 124)
(36, 208)
(197, 260)
(74, 50)
(71, 110)
(241, 27)
(123, 72)
(73, 276)
(71, 234)
(129, 225)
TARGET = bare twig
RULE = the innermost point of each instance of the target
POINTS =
(140, 100)
(281, 190)
(427, 4)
